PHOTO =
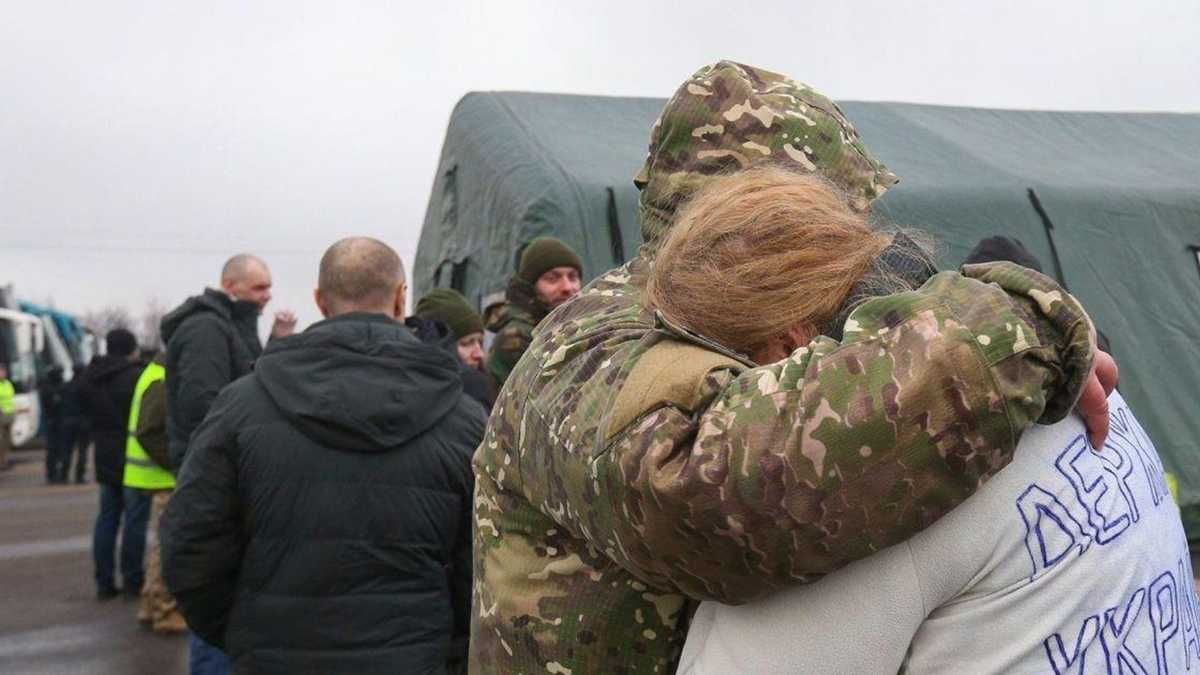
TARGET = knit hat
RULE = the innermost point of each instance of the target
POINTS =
(120, 342)
(451, 308)
(995, 248)
(544, 254)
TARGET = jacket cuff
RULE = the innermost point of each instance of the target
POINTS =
(1060, 322)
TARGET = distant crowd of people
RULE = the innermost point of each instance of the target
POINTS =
(776, 440)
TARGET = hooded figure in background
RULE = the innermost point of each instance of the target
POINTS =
(548, 276)
(631, 468)
(322, 521)
(107, 390)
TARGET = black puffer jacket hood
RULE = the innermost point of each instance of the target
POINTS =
(237, 311)
(360, 382)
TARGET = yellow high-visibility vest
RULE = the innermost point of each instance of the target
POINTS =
(7, 393)
(140, 471)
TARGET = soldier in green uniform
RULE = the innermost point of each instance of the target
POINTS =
(631, 468)
(548, 276)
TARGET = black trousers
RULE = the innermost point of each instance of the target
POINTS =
(61, 439)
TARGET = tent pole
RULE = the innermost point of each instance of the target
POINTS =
(1049, 227)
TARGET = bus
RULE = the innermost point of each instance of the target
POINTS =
(22, 339)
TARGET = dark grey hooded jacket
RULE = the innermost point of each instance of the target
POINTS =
(322, 519)
(211, 341)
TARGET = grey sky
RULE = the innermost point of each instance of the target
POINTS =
(141, 143)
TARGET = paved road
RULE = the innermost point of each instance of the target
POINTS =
(50, 620)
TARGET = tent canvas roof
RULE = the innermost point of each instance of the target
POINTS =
(1117, 192)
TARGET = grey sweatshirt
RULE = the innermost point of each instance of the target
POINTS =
(1067, 561)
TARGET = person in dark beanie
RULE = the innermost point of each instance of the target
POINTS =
(549, 275)
(451, 308)
(107, 391)
(476, 383)
(322, 520)
(991, 249)
(464, 328)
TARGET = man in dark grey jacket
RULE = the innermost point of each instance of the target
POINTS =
(322, 518)
(212, 340)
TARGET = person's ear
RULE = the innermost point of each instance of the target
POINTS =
(798, 336)
(400, 301)
(321, 304)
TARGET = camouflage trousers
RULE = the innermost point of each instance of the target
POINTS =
(158, 607)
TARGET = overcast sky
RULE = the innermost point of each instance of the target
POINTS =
(142, 143)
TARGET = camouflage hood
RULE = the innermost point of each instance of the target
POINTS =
(728, 116)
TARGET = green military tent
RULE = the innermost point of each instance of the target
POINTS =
(1110, 202)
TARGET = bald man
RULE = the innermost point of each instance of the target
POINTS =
(322, 520)
(212, 340)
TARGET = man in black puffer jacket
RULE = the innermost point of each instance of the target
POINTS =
(322, 519)
(107, 392)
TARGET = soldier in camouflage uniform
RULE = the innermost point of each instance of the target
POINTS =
(548, 276)
(630, 468)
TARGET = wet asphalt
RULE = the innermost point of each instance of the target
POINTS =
(50, 620)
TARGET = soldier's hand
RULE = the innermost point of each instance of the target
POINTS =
(285, 324)
(1093, 403)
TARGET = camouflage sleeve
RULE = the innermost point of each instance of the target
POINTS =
(797, 468)
(508, 347)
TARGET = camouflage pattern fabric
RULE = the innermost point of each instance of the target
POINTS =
(728, 116)
(157, 606)
(513, 324)
(592, 542)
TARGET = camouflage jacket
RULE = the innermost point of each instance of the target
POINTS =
(513, 324)
(593, 534)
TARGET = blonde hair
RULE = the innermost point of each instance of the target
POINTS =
(758, 252)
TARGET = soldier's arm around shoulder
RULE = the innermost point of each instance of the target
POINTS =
(797, 468)
(201, 541)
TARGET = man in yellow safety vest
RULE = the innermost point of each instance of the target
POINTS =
(8, 408)
(145, 469)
